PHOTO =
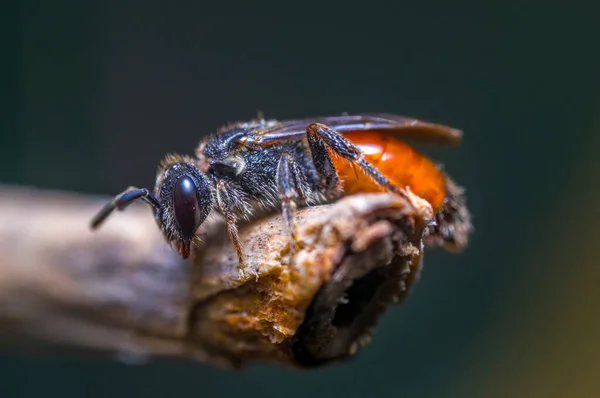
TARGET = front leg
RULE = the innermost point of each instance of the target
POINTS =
(292, 186)
(321, 138)
(226, 206)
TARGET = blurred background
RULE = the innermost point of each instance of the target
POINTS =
(96, 92)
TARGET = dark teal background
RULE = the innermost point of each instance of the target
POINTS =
(95, 93)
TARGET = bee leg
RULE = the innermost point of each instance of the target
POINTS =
(291, 185)
(122, 200)
(226, 207)
(321, 137)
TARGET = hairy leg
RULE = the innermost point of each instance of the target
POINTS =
(291, 186)
(226, 206)
(321, 138)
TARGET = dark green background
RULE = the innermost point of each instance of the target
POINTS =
(95, 93)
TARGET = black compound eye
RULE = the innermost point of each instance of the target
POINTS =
(187, 209)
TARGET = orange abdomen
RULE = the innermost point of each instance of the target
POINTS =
(399, 162)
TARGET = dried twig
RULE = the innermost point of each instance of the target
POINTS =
(122, 290)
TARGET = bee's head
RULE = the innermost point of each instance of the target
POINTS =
(186, 200)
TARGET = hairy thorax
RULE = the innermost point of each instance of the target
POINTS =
(250, 175)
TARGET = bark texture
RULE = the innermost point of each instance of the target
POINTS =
(122, 290)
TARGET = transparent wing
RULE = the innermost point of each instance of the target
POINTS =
(400, 126)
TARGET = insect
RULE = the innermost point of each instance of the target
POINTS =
(269, 165)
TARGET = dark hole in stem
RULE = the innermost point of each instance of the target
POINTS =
(358, 296)
(345, 309)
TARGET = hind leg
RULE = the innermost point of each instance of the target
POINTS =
(321, 138)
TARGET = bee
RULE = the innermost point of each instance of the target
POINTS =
(263, 166)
